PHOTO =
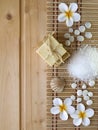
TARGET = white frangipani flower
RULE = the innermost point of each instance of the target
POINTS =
(81, 116)
(63, 108)
(68, 13)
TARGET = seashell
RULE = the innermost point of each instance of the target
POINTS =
(57, 84)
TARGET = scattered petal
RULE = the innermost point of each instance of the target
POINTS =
(86, 122)
(61, 17)
(79, 92)
(73, 7)
(57, 102)
(76, 17)
(71, 38)
(71, 30)
(67, 43)
(88, 25)
(63, 7)
(76, 32)
(79, 100)
(55, 110)
(86, 98)
(89, 102)
(82, 28)
(72, 97)
(90, 94)
(88, 35)
(85, 92)
(84, 86)
(90, 112)
(80, 38)
(73, 85)
(63, 115)
(66, 35)
(91, 83)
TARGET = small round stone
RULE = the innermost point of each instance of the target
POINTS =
(71, 38)
(89, 102)
(66, 35)
(82, 28)
(79, 92)
(76, 32)
(88, 35)
(86, 98)
(79, 100)
(71, 30)
(88, 25)
(80, 38)
(73, 85)
(67, 43)
(84, 86)
(85, 92)
(72, 97)
(90, 94)
(91, 83)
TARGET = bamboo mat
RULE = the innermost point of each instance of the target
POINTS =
(89, 12)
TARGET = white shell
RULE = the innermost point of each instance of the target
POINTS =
(71, 30)
(89, 102)
(72, 97)
(88, 35)
(79, 100)
(67, 43)
(71, 38)
(57, 84)
(86, 98)
(79, 92)
(80, 38)
(88, 25)
(66, 35)
(84, 86)
(91, 83)
(76, 32)
(73, 85)
(90, 94)
(85, 92)
(82, 28)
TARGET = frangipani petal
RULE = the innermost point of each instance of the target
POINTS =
(61, 17)
(55, 110)
(80, 107)
(57, 102)
(76, 17)
(68, 101)
(69, 22)
(70, 110)
(74, 115)
(63, 115)
(77, 121)
(63, 7)
(89, 112)
(73, 7)
(86, 122)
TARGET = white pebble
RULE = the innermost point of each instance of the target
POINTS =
(73, 85)
(90, 94)
(79, 92)
(80, 38)
(86, 98)
(66, 35)
(76, 32)
(91, 83)
(82, 28)
(71, 38)
(88, 25)
(85, 92)
(84, 86)
(89, 102)
(79, 100)
(88, 35)
(67, 43)
(71, 30)
(72, 97)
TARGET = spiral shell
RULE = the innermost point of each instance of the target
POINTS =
(57, 84)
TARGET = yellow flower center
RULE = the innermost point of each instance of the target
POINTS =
(62, 108)
(69, 14)
(82, 114)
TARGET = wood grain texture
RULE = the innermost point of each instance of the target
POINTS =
(9, 65)
(33, 68)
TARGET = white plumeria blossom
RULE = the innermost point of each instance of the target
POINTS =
(81, 116)
(68, 13)
(62, 108)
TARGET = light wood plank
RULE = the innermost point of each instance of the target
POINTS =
(9, 65)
